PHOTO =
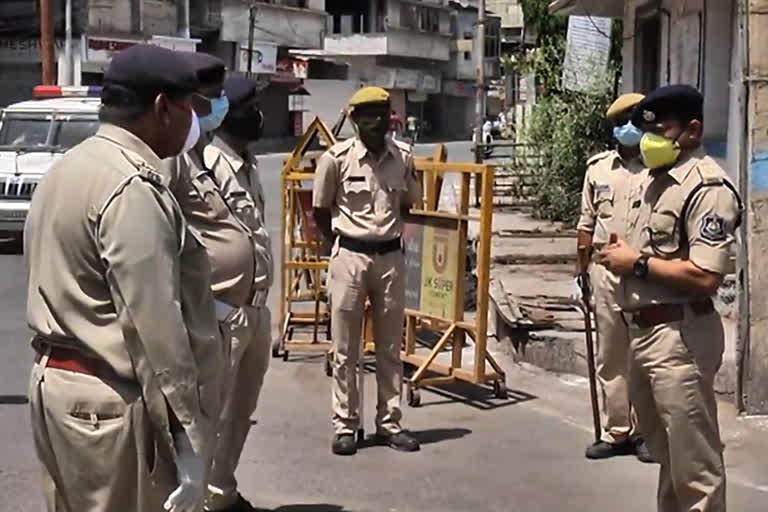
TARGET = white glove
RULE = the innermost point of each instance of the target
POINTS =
(576, 295)
(190, 470)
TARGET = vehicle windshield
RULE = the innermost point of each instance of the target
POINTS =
(70, 133)
(24, 132)
(31, 134)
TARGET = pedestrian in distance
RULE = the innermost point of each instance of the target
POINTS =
(395, 124)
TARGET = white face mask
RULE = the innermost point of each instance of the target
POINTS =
(193, 135)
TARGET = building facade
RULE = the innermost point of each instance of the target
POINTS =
(422, 52)
(99, 29)
(220, 27)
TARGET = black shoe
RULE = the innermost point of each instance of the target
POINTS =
(241, 505)
(605, 450)
(344, 444)
(400, 441)
(641, 451)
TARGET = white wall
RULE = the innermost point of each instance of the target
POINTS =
(418, 44)
(402, 43)
(685, 50)
(328, 98)
(736, 107)
(293, 28)
(717, 59)
(112, 16)
(463, 69)
(356, 44)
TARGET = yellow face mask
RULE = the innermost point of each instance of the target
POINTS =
(658, 151)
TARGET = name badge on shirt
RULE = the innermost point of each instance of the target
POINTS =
(356, 179)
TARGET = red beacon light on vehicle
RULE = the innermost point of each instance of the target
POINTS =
(67, 91)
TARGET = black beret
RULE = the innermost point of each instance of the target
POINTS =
(150, 68)
(677, 101)
(239, 89)
(208, 68)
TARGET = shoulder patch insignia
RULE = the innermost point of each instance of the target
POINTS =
(713, 228)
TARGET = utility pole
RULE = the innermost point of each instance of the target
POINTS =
(480, 98)
(182, 11)
(47, 48)
(251, 28)
(69, 75)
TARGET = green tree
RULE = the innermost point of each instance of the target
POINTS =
(566, 127)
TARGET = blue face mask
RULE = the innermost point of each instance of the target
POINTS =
(219, 109)
(628, 135)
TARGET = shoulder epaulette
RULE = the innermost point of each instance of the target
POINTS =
(710, 173)
(211, 155)
(341, 147)
(403, 146)
(144, 170)
(600, 156)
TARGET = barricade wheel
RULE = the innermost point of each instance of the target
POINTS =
(500, 389)
(413, 395)
(328, 365)
(276, 349)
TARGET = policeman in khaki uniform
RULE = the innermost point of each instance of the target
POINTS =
(363, 187)
(604, 209)
(129, 354)
(241, 264)
(681, 224)
(236, 173)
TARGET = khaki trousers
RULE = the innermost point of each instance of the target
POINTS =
(619, 420)
(354, 276)
(672, 374)
(95, 443)
(250, 329)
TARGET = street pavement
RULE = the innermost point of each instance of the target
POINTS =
(522, 454)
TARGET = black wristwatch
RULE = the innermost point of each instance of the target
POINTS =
(640, 268)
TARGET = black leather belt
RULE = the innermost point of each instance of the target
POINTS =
(658, 314)
(369, 246)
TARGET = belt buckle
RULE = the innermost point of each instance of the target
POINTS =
(632, 318)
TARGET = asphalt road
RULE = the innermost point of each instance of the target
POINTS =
(524, 454)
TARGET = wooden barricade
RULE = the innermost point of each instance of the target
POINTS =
(304, 313)
(435, 247)
(435, 242)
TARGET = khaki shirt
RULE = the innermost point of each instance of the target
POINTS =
(655, 228)
(108, 254)
(225, 238)
(365, 194)
(239, 182)
(605, 196)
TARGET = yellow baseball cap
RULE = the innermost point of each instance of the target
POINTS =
(368, 95)
(622, 104)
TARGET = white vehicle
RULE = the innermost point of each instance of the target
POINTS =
(33, 135)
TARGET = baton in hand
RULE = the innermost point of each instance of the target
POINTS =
(586, 292)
